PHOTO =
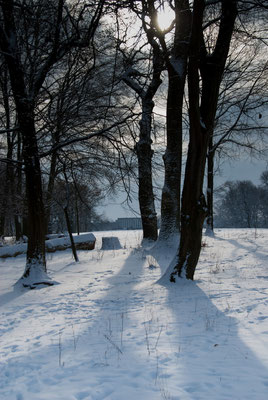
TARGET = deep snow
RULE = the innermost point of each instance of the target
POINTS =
(109, 331)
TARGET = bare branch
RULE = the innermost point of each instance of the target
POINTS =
(100, 132)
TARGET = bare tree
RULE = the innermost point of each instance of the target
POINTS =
(174, 45)
(78, 97)
(145, 91)
(210, 65)
(34, 36)
(9, 142)
(239, 121)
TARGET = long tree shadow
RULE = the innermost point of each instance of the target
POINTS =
(252, 248)
(130, 342)
(101, 347)
(213, 361)
(10, 296)
(207, 358)
(249, 238)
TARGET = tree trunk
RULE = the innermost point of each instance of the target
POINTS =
(170, 202)
(50, 189)
(36, 258)
(211, 69)
(193, 201)
(194, 208)
(4, 207)
(6, 203)
(18, 227)
(177, 69)
(20, 216)
(27, 76)
(144, 154)
(68, 223)
(143, 148)
(210, 188)
(77, 219)
(35, 270)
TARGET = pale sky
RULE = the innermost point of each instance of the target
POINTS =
(245, 169)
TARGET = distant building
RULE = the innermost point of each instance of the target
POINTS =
(128, 223)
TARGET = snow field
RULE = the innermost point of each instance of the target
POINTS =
(110, 331)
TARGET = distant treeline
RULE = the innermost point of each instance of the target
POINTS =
(241, 204)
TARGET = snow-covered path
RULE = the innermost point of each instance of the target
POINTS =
(108, 331)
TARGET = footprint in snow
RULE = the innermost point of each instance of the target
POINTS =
(82, 395)
(262, 318)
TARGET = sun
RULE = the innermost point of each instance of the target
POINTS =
(165, 17)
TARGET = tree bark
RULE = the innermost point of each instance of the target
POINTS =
(36, 215)
(20, 216)
(35, 259)
(177, 70)
(194, 208)
(143, 147)
(170, 201)
(26, 84)
(144, 155)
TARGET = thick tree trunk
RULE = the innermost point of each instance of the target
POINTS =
(20, 216)
(170, 202)
(143, 147)
(36, 217)
(194, 208)
(146, 194)
(144, 154)
(35, 270)
(177, 69)
(193, 201)
(27, 76)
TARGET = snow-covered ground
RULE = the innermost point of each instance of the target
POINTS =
(109, 331)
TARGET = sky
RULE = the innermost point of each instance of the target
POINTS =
(242, 169)
(238, 169)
